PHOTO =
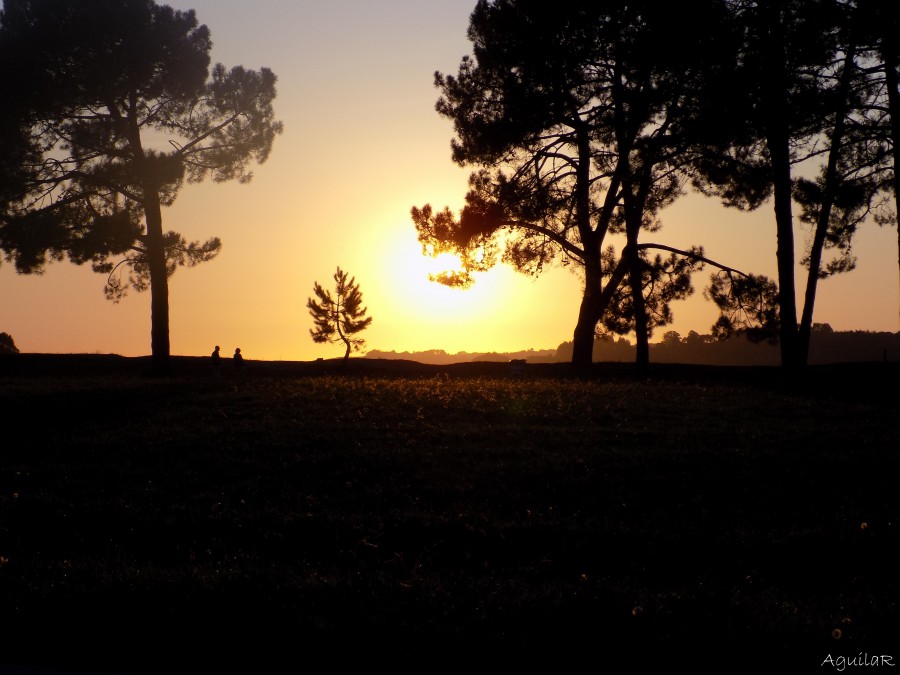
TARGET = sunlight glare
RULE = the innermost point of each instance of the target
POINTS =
(443, 262)
(455, 319)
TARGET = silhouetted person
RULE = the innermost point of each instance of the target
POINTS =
(216, 361)
(238, 359)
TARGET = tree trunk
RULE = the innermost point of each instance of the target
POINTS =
(812, 279)
(889, 56)
(588, 316)
(159, 284)
(778, 141)
(825, 209)
(784, 224)
(636, 281)
(589, 313)
(155, 249)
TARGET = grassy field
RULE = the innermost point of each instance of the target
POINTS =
(393, 514)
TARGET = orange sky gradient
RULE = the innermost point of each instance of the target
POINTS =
(362, 144)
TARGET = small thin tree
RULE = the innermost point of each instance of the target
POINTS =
(338, 318)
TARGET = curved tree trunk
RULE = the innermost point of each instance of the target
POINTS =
(588, 315)
(825, 209)
(812, 279)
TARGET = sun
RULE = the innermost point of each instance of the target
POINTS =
(500, 311)
(420, 274)
(408, 278)
(443, 263)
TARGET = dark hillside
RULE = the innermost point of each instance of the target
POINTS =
(393, 514)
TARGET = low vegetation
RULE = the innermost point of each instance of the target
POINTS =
(392, 512)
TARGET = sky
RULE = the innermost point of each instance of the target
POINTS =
(362, 144)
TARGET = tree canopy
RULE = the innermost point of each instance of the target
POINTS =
(810, 127)
(576, 118)
(109, 108)
(587, 120)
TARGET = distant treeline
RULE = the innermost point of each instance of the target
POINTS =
(441, 358)
(826, 346)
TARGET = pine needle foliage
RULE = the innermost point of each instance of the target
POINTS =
(340, 316)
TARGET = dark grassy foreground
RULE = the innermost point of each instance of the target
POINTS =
(394, 514)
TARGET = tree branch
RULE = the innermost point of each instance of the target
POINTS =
(555, 237)
(183, 150)
(693, 256)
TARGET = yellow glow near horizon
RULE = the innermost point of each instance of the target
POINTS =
(433, 302)
(501, 311)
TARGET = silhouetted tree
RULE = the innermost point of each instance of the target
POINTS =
(880, 26)
(782, 47)
(340, 316)
(671, 337)
(851, 172)
(7, 344)
(747, 305)
(572, 114)
(797, 96)
(109, 107)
